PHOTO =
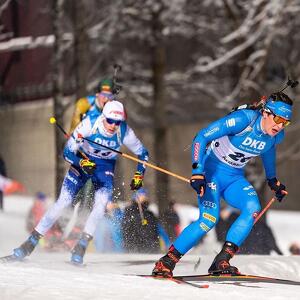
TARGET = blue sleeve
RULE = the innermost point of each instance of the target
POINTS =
(134, 145)
(269, 162)
(91, 99)
(279, 137)
(69, 154)
(269, 157)
(143, 156)
(164, 236)
(228, 125)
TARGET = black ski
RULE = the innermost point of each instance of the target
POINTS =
(176, 280)
(235, 278)
(8, 259)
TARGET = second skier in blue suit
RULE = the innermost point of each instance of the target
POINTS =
(219, 154)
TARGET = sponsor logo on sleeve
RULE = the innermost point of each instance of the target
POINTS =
(247, 188)
(196, 151)
(212, 186)
(209, 217)
(212, 131)
(204, 227)
(230, 122)
(252, 193)
(73, 180)
(109, 173)
(209, 204)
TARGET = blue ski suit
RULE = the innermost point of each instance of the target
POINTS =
(221, 151)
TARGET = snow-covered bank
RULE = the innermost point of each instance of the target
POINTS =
(48, 276)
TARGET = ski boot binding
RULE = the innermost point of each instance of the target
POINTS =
(80, 248)
(221, 265)
(164, 266)
(28, 246)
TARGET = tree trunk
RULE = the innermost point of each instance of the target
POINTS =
(81, 46)
(58, 80)
(160, 122)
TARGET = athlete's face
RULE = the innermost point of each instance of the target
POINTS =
(111, 126)
(101, 100)
(269, 125)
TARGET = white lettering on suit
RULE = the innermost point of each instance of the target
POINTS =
(253, 143)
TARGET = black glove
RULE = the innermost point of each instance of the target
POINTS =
(87, 166)
(198, 183)
(279, 189)
(137, 181)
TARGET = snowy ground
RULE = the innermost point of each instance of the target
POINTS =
(107, 276)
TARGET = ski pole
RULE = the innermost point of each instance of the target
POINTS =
(267, 207)
(264, 210)
(117, 86)
(116, 69)
(137, 160)
(143, 220)
(52, 120)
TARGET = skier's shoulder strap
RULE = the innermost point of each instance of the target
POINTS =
(252, 116)
(122, 131)
(258, 105)
(252, 110)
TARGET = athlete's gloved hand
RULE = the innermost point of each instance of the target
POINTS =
(87, 166)
(198, 183)
(137, 181)
(279, 188)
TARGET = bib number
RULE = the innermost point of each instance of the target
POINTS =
(240, 157)
(102, 153)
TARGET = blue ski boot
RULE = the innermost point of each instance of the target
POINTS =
(28, 246)
(80, 248)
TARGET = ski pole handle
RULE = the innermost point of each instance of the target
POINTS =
(52, 120)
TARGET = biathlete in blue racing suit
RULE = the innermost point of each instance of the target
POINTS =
(219, 154)
(91, 161)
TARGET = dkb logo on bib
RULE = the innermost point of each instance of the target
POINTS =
(253, 143)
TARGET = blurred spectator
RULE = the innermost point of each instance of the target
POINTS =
(294, 248)
(3, 173)
(141, 229)
(108, 236)
(92, 105)
(36, 211)
(9, 186)
(115, 216)
(171, 221)
(53, 239)
(260, 240)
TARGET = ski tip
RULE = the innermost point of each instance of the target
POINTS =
(9, 259)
